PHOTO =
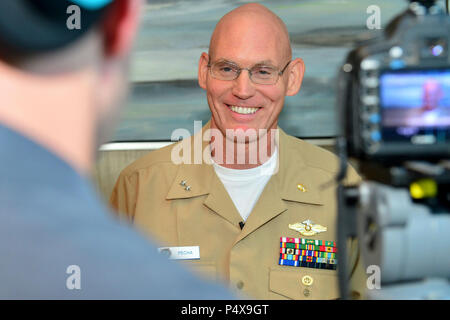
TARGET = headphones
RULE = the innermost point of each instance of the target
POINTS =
(33, 26)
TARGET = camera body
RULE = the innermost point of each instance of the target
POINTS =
(394, 92)
(394, 107)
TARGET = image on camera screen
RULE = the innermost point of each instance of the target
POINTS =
(415, 102)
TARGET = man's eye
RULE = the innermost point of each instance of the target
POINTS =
(265, 72)
(226, 69)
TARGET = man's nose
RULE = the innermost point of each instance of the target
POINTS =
(243, 87)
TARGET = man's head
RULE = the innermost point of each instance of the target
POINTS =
(68, 94)
(252, 37)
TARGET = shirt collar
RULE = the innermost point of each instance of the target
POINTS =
(297, 180)
(292, 172)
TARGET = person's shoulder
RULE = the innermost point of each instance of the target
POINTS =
(319, 158)
(86, 237)
(161, 158)
(313, 155)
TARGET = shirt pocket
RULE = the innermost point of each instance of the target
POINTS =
(303, 284)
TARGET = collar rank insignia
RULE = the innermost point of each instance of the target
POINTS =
(307, 228)
(308, 253)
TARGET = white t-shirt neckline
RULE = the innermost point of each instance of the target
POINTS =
(246, 185)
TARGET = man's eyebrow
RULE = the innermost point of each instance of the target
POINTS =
(260, 63)
(226, 61)
(264, 63)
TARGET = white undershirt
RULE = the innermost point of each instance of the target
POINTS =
(246, 185)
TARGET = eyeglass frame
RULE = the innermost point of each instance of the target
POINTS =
(280, 73)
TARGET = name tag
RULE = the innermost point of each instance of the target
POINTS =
(181, 253)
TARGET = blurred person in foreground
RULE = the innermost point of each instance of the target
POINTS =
(247, 210)
(60, 92)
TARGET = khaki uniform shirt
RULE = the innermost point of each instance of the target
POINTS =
(149, 193)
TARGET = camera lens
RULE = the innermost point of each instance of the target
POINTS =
(435, 48)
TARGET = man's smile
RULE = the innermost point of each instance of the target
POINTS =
(243, 110)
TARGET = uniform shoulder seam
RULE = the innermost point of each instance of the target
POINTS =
(148, 160)
(317, 151)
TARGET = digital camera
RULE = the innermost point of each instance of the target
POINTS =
(394, 91)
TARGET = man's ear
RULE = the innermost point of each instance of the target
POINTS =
(296, 71)
(120, 26)
(203, 70)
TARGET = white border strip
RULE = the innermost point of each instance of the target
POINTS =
(124, 146)
(321, 142)
(119, 146)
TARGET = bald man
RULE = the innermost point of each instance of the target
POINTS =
(258, 218)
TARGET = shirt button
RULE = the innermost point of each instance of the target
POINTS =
(240, 285)
(306, 292)
(307, 280)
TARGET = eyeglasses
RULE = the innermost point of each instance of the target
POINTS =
(259, 74)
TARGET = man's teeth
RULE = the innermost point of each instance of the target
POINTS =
(243, 110)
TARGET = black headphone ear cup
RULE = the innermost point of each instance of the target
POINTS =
(28, 26)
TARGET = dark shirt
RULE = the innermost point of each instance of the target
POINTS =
(51, 218)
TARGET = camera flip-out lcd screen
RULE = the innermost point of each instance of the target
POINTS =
(415, 106)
